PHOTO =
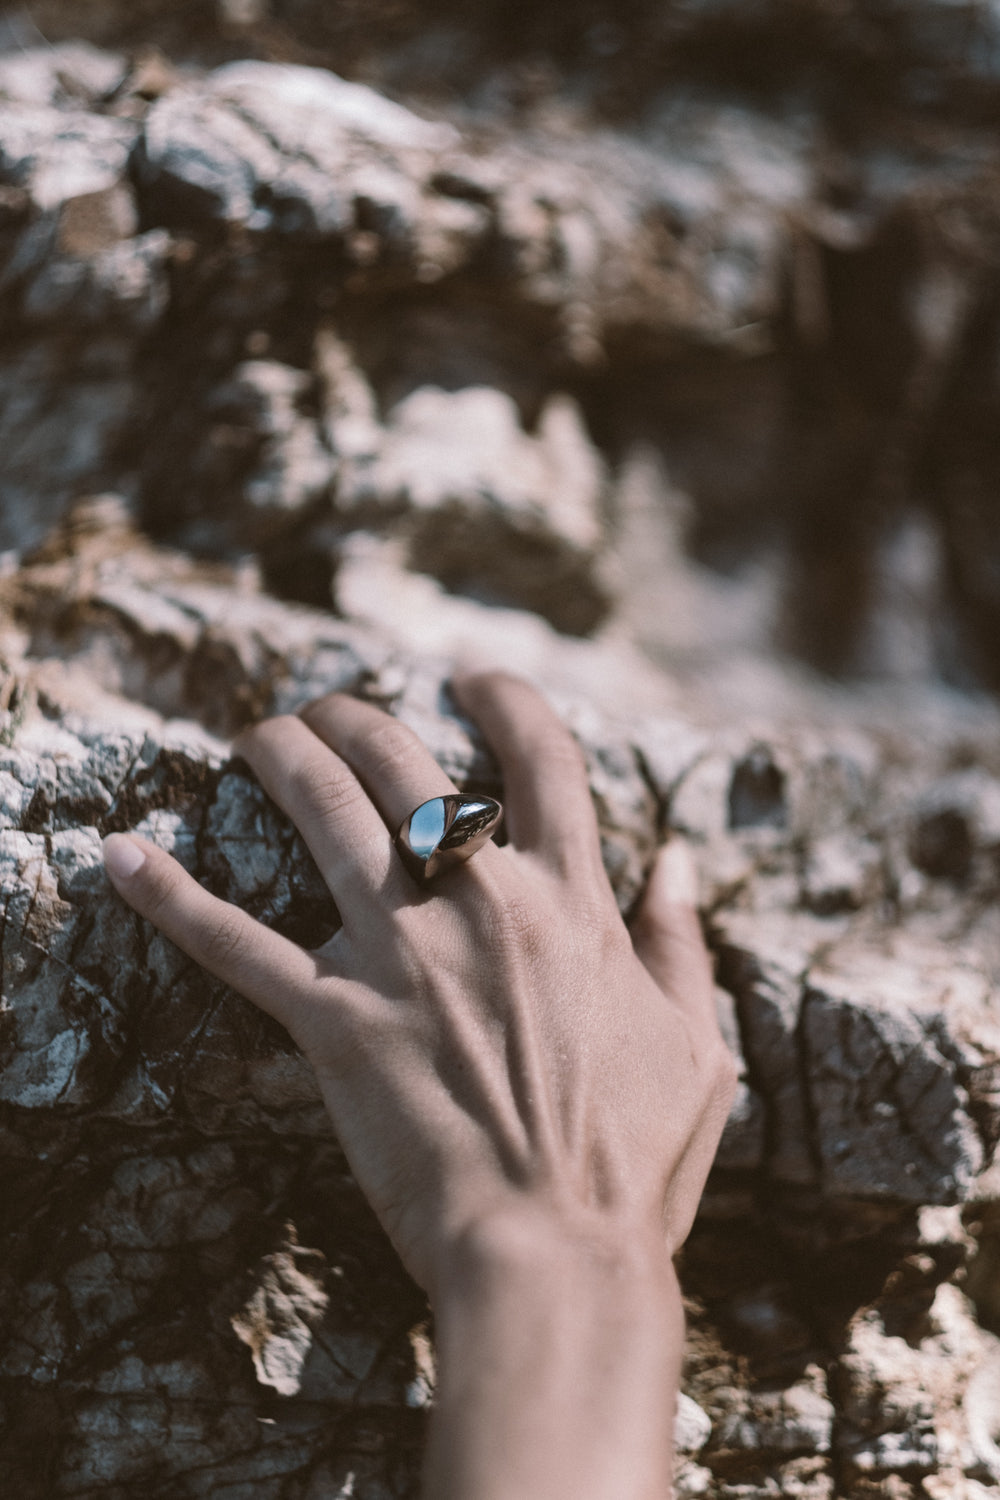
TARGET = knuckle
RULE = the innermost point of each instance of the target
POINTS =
(162, 894)
(600, 921)
(256, 735)
(221, 942)
(492, 681)
(556, 748)
(318, 788)
(389, 748)
(317, 706)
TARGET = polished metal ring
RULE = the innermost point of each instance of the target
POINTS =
(444, 832)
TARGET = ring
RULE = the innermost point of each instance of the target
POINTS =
(444, 832)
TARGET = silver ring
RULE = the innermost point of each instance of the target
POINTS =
(444, 832)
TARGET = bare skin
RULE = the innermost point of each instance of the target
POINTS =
(529, 1095)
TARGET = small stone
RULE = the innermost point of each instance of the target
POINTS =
(692, 1426)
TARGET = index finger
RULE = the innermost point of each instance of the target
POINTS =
(546, 792)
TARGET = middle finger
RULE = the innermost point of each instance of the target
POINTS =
(331, 809)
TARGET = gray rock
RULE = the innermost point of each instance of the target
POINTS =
(840, 873)
(887, 1103)
(264, 459)
(692, 1427)
(956, 825)
(64, 74)
(762, 962)
(487, 508)
(57, 156)
(392, 308)
(741, 1148)
(798, 1419)
(909, 1404)
(122, 283)
(292, 150)
(45, 428)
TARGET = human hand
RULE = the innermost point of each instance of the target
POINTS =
(504, 1064)
(496, 1039)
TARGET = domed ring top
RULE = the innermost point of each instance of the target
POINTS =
(444, 832)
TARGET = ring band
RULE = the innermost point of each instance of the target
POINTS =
(445, 831)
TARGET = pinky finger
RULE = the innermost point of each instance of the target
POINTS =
(265, 967)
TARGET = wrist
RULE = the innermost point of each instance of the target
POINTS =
(559, 1347)
(605, 1256)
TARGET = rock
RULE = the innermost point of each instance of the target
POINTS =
(957, 822)
(296, 151)
(301, 153)
(765, 978)
(120, 284)
(840, 873)
(64, 74)
(58, 156)
(692, 1426)
(875, 1039)
(94, 1046)
(278, 1322)
(827, 1086)
(357, 351)
(62, 435)
(914, 1403)
(263, 460)
(798, 1419)
(742, 1146)
(486, 508)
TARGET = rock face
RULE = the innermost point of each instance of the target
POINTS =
(356, 386)
(231, 285)
(210, 1208)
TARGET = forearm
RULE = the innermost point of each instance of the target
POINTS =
(559, 1358)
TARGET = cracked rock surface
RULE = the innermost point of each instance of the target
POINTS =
(178, 1194)
(337, 353)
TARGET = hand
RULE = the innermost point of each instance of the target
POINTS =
(512, 1076)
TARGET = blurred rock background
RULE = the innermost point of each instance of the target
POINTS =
(649, 349)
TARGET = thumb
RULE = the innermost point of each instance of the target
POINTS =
(666, 932)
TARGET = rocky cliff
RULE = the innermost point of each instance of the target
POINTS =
(640, 352)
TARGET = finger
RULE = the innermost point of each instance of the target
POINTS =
(262, 965)
(331, 809)
(393, 765)
(548, 802)
(667, 935)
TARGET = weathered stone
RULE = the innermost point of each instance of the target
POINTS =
(957, 822)
(294, 150)
(277, 1323)
(840, 873)
(887, 1101)
(487, 508)
(921, 1404)
(762, 962)
(798, 1419)
(262, 458)
(238, 295)
(741, 1148)
(692, 1428)
(65, 73)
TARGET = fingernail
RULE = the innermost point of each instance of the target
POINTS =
(122, 855)
(679, 873)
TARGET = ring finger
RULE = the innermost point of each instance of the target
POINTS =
(396, 769)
